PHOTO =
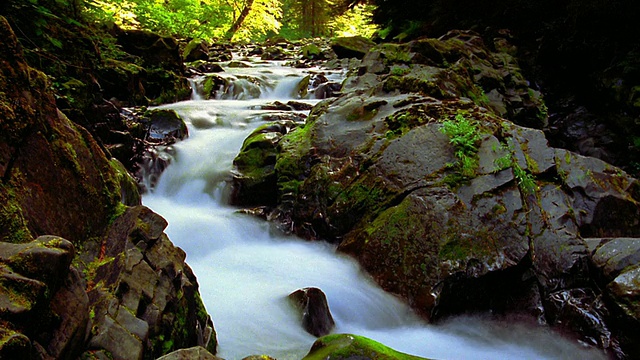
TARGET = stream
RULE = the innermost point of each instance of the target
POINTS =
(246, 269)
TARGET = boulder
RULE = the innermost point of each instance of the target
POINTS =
(165, 127)
(617, 260)
(56, 179)
(254, 177)
(196, 49)
(194, 353)
(143, 296)
(315, 313)
(351, 46)
(346, 346)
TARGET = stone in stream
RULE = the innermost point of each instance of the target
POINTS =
(353, 347)
(316, 316)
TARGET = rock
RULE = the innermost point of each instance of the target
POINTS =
(625, 292)
(373, 171)
(45, 259)
(617, 261)
(316, 316)
(581, 311)
(71, 306)
(140, 272)
(312, 52)
(13, 345)
(327, 90)
(194, 353)
(39, 283)
(59, 179)
(346, 346)
(196, 49)
(274, 53)
(155, 50)
(132, 296)
(165, 127)
(254, 178)
(351, 47)
(613, 256)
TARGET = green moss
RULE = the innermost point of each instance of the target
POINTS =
(346, 346)
(407, 83)
(291, 166)
(13, 225)
(461, 247)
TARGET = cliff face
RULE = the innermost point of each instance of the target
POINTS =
(100, 274)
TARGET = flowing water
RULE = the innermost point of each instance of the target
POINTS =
(245, 269)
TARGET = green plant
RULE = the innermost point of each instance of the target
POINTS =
(463, 135)
(526, 181)
(399, 71)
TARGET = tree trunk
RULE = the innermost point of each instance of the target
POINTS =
(236, 25)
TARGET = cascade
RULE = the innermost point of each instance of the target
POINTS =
(246, 269)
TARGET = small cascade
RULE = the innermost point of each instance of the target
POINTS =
(196, 89)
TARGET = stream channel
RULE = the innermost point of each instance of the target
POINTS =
(246, 269)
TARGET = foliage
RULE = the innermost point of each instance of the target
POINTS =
(354, 21)
(526, 181)
(463, 135)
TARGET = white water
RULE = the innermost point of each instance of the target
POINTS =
(245, 270)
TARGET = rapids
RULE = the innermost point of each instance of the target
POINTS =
(246, 269)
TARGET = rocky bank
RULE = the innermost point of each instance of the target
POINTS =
(85, 271)
(431, 169)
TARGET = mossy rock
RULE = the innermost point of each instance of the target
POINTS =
(311, 52)
(352, 347)
(351, 46)
(254, 180)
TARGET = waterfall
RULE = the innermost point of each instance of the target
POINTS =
(246, 269)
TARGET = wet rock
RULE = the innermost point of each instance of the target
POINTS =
(316, 316)
(165, 127)
(220, 52)
(299, 106)
(617, 262)
(254, 177)
(194, 353)
(206, 67)
(351, 47)
(581, 311)
(312, 52)
(238, 64)
(327, 90)
(346, 346)
(275, 53)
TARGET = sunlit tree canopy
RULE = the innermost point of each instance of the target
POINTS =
(236, 20)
